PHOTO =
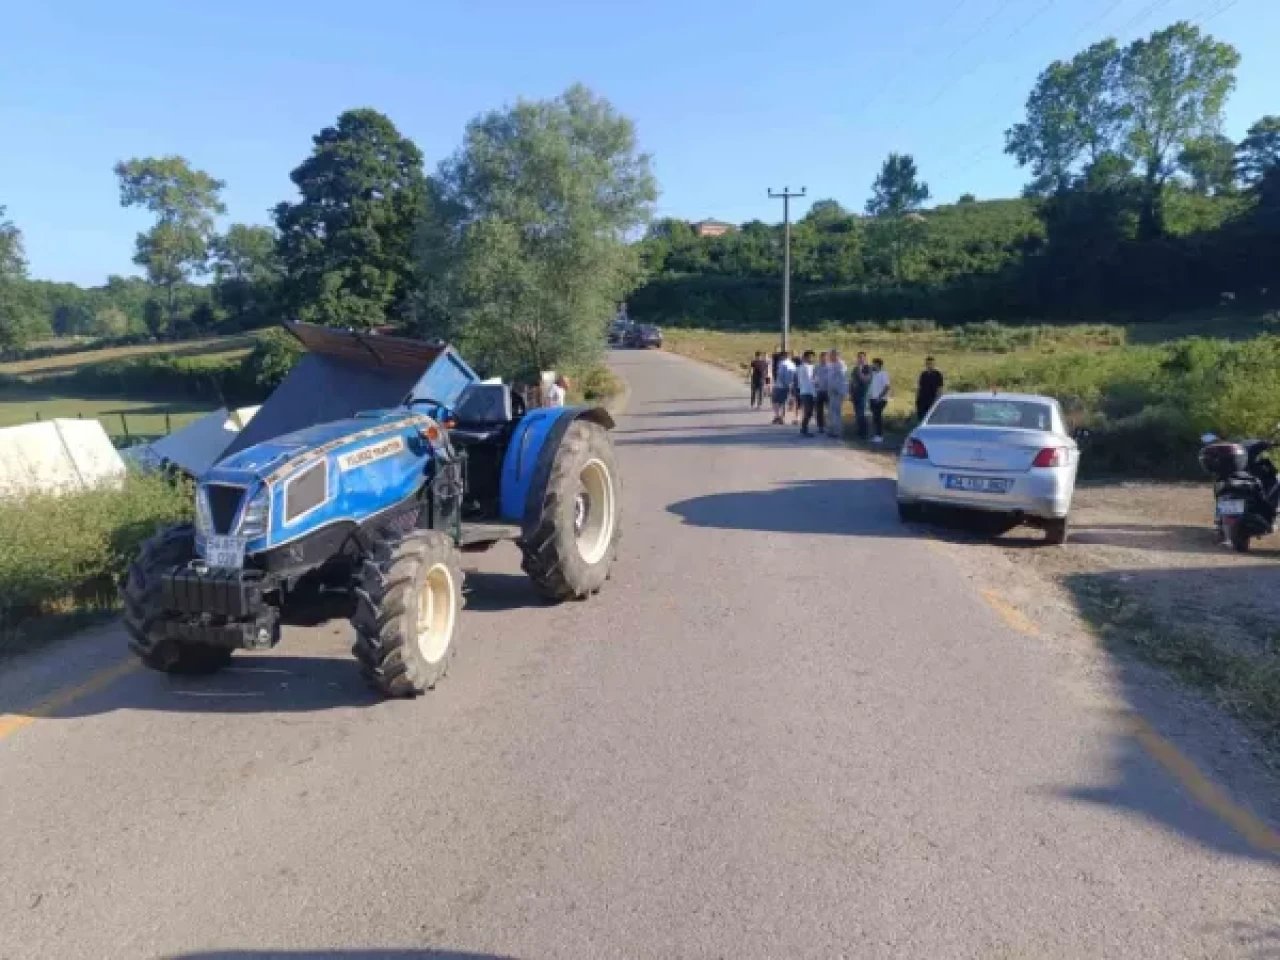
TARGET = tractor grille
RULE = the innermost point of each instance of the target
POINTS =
(224, 504)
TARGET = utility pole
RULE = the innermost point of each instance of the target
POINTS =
(786, 196)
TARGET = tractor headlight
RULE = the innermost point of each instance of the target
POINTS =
(253, 523)
(204, 522)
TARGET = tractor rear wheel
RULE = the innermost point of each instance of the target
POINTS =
(574, 541)
(408, 597)
(143, 616)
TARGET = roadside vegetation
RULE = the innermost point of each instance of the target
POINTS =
(1145, 404)
(60, 557)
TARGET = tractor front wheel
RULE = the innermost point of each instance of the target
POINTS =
(143, 616)
(408, 597)
(571, 547)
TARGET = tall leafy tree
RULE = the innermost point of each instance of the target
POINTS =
(18, 322)
(185, 202)
(1210, 164)
(898, 229)
(246, 269)
(1259, 151)
(347, 246)
(1173, 85)
(898, 189)
(524, 250)
(1074, 117)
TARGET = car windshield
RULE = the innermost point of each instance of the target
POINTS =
(961, 412)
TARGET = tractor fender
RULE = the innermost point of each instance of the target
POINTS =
(526, 467)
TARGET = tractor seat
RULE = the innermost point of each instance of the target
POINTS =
(484, 411)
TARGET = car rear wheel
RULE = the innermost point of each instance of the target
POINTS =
(1055, 531)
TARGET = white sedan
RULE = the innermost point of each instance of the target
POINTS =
(1003, 453)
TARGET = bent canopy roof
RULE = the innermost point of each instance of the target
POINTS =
(345, 372)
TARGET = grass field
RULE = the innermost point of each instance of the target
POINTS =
(212, 348)
(962, 357)
(141, 418)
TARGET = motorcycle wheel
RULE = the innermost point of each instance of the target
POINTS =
(1238, 537)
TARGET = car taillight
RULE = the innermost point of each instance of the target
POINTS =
(1051, 457)
(914, 449)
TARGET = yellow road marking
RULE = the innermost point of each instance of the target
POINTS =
(11, 723)
(1250, 827)
(1177, 764)
(1010, 614)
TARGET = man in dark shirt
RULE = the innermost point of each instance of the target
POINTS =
(929, 388)
(759, 379)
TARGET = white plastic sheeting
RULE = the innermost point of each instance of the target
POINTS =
(57, 456)
(197, 446)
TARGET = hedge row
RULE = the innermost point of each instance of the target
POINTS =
(64, 555)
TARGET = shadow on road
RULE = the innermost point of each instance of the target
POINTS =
(490, 592)
(834, 507)
(337, 955)
(1233, 664)
(1165, 538)
(254, 683)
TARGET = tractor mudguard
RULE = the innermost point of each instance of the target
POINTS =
(531, 454)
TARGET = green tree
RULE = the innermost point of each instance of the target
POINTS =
(110, 322)
(825, 213)
(524, 250)
(19, 323)
(1173, 85)
(1259, 151)
(1210, 163)
(898, 189)
(898, 229)
(1074, 116)
(347, 246)
(246, 270)
(185, 202)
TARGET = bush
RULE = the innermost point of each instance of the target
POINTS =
(65, 554)
(272, 358)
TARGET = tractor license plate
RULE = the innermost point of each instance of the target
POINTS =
(1230, 508)
(225, 553)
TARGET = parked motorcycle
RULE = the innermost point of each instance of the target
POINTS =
(1246, 488)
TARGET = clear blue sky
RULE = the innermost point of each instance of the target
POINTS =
(729, 97)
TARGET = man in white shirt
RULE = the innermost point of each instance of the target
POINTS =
(556, 392)
(783, 381)
(880, 392)
(837, 384)
(807, 389)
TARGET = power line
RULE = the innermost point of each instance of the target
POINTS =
(1219, 12)
(981, 63)
(1089, 24)
(903, 61)
(1143, 14)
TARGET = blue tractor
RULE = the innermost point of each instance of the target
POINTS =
(369, 470)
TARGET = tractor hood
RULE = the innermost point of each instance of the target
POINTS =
(345, 373)
(287, 487)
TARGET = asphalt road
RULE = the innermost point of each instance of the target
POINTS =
(789, 727)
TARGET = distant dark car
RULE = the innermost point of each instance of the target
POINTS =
(644, 335)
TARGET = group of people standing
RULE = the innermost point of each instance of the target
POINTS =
(810, 389)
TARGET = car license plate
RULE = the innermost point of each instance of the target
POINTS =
(975, 484)
(1230, 508)
(225, 553)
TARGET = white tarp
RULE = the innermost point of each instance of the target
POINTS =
(198, 445)
(57, 456)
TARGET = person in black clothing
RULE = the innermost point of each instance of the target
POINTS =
(759, 378)
(928, 389)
